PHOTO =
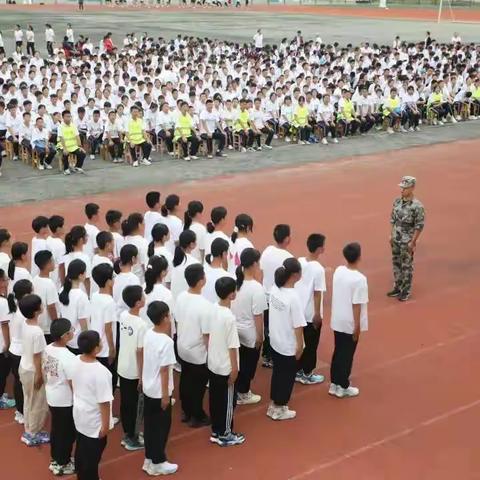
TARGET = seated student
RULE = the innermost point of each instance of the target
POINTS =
(286, 117)
(57, 367)
(130, 364)
(211, 129)
(95, 133)
(439, 106)
(300, 121)
(165, 127)
(157, 387)
(346, 113)
(137, 138)
(260, 126)
(392, 110)
(365, 111)
(92, 406)
(243, 127)
(192, 313)
(30, 370)
(112, 137)
(70, 144)
(41, 145)
(223, 365)
(81, 121)
(326, 120)
(185, 133)
(411, 112)
(13, 123)
(25, 132)
(45, 288)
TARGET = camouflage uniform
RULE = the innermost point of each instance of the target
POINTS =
(407, 216)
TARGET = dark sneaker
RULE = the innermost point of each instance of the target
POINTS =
(185, 418)
(267, 363)
(230, 439)
(403, 297)
(394, 293)
(199, 423)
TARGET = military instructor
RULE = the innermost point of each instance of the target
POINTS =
(408, 220)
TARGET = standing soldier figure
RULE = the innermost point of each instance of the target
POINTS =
(408, 220)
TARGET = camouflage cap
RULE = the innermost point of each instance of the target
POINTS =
(407, 182)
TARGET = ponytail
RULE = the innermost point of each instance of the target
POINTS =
(75, 269)
(194, 208)
(187, 237)
(210, 227)
(151, 249)
(217, 249)
(164, 210)
(171, 202)
(127, 253)
(19, 249)
(159, 232)
(240, 277)
(116, 266)
(217, 215)
(282, 274)
(156, 266)
(208, 258)
(11, 269)
(248, 258)
(72, 238)
(64, 294)
(243, 223)
(126, 230)
(20, 289)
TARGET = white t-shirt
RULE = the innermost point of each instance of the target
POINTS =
(201, 233)
(236, 250)
(57, 247)
(46, 290)
(271, 259)
(92, 385)
(313, 280)
(16, 327)
(192, 313)
(4, 261)
(349, 288)
(38, 244)
(69, 257)
(210, 237)
(150, 219)
(97, 260)
(102, 311)
(285, 314)
(57, 366)
(5, 318)
(223, 337)
(164, 252)
(19, 274)
(132, 331)
(250, 301)
(91, 245)
(78, 307)
(160, 293)
(175, 226)
(211, 276)
(122, 280)
(179, 284)
(158, 352)
(142, 258)
(33, 342)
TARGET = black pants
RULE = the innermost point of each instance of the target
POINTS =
(75, 351)
(167, 140)
(311, 337)
(157, 429)
(17, 384)
(146, 149)
(222, 399)
(112, 368)
(350, 128)
(412, 117)
(283, 378)
(5, 363)
(342, 359)
(248, 366)
(229, 136)
(62, 434)
(50, 48)
(19, 46)
(88, 455)
(45, 155)
(216, 135)
(16, 145)
(31, 48)
(116, 150)
(269, 136)
(266, 348)
(304, 133)
(128, 405)
(80, 158)
(193, 383)
(94, 143)
(194, 144)
(366, 123)
(246, 138)
(327, 128)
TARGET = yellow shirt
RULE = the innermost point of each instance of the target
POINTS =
(243, 121)
(436, 98)
(391, 104)
(300, 117)
(476, 93)
(184, 126)
(347, 112)
(69, 133)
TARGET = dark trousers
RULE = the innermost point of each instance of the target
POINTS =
(229, 136)
(94, 143)
(311, 337)
(269, 136)
(146, 149)
(266, 348)
(412, 117)
(167, 140)
(350, 128)
(246, 138)
(75, 351)
(80, 158)
(216, 135)
(15, 143)
(342, 359)
(248, 366)
(88, 455)
(62, 434)
(194, 144)
(116, 150)
(366, 123)
(50, 48)
(327, 128)
(157, 429)
(128, 405)
(283, 378)
(193, 383)
(45, 155)
(304, 133)
(31, 48)
(222, 400)
(112, 367)
(5, 362)
(17, 384)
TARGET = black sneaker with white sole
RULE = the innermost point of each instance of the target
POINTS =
(394, 293)
(403, 297)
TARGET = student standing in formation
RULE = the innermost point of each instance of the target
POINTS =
(272, 258)
(75, 241)
(30, 370)
(74, 303)
(349, 318)
(223, 345)
(248, 308)
(124, 275)
(157, 385)
(158, 247)
(215, 267)
(215, 227)
(105, 245)
(286, 336)
(44, 287)
(39, 240)
(57, 366)
(152, 216)
(170, 211)
(92, 406)
(192, 314)
(239, 240)
(5, 249)
(113, 218)
(18, 265)
(133, 229)
(311, 288)
(181, 260)
(92, 212)
(56, 245)
(130, 363)
(193, 221)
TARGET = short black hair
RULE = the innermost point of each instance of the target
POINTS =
(102, 273)
(59, 327)
(113, 216)
(55, 222)
(152, 199)
(39, 222)
(281, 232)
(103, 238)
(194, 273)
(29, 305)
(352, 252)
(42, 257)
(314, 241)
(157, 312)
(132, 294)
(91, 209)
(225, 286)
(4, 235)
(88, 341)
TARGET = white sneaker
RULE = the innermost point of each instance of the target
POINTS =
(287, 139)
(48, 166)
(440, 122)
(66, 172)
(417, 129)
(390, 130)
(165, 468)
(248, 398)
(146, 464)
(411, 129)
(335, 140)
(193, 157)
(403, 129)
(244, 150)
(270, 410)
(346, 392)
(268, 147)
(209, 156)
(187, 158)
(135, 163)
(458, 118)
(230, 147)
(79, 170)
(435, 121)
(301, 142)
(453, 120)
(146, 161)
(41, 167)
(275, 137)
(283, 413)
(19, 417)
(324, 141)
(333, 389)
(92, 157)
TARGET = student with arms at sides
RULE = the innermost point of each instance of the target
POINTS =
(56, 245)
(248, 308)
(39, 240)
(105, 246)
(75, 240)
(215, 227)
(133, 229)
(5, 249)
(193, 221)
(113, 219)
(239, 240)
(157, 247)
(18, 265)
(157, 385)
(181, 260)
(92, 406)
(349, 318)
(92, 212)
(152, 216)
(286, 336)
(170, 217)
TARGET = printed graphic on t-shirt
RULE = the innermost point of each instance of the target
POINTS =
(50, 366)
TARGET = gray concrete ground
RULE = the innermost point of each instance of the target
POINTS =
(20, 183)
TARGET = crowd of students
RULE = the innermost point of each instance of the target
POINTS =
(96, 310)
(177, 95)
